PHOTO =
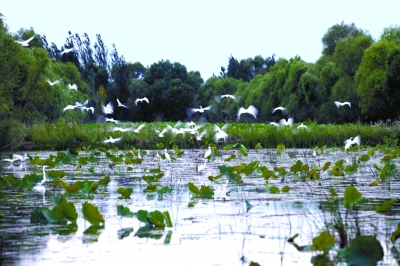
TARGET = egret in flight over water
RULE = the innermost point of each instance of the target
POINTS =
(351, 141)
(141, 100)
(250, 110)
(218, 98)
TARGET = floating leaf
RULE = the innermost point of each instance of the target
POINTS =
(364, 158)
(54, 216)
(91, 214)
(364, 250)
(396, 234)
(326, 166)
(104, 181)
(167, 217)
(285, 189)
(125, 192)
(274, 190)
(385, 207)
(164, 189)
(333, 191)
(157, 219)
(374, 183)
(324, 242)
(351, 197)
(141, 215)
(350, 169)
(124, 211)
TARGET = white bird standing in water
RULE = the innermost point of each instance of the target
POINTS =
(121, 105)
(349, 142)
(26, 43)
(339, 104)
(53, 83)
(250, 110)
(218, 98)
(202, 166)
(167, 156)
(208, 152)
(39, 187)
(141, 100)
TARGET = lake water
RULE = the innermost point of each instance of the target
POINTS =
(220, 231)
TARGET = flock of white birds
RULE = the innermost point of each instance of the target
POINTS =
(191, 127)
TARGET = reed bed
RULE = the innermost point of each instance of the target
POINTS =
(62, 135)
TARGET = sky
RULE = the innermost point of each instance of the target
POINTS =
(201, 35)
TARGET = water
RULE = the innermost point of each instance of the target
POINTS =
(219, 231)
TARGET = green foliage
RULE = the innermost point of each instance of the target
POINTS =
(155, 219)
(91, 214)
(125, 192)
(351, 197)
(324, 242)
(386, 206)
(124, 211)
(364, 250)
(203, 192)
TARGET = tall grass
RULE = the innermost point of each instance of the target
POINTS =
(62, 135)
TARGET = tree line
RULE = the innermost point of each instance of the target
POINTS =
(353, 67)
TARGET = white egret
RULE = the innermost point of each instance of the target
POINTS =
(71, 107)
(302, 126)
(121, 129)
(283, 109)
(339, 104)
(112, 120)
(108, 109)
(349, 142)
(199, 136)
(39, 187)
(121, 105)
(250, 110)
(26, 43)
(72, 87)
(53, 83)
(137, 130)
(66, 51)
(288, 122)
(87, 109)
(274, 124)
(202, 166)
(208, 153)
(218, 98)
(191, 111)
(141, 100)
(20, 157)
(220, 132)
(167, 156)
(112, 140)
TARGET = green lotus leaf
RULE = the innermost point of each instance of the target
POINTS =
(364, 250)
(124, 211)
(351, 197)
(91, 214)
(385, 207)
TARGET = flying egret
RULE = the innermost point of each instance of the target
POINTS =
(108, 109)
(72, 87)
(141, 100)
(87, 109)
(53, 83)
(250, 110)
(274, 124)
(121, 105)
(220, 132)
(26, 43)
(302, 126)
(112, 140)
(191, 111)
(288, 122)
(349, 142)
(283, 109)
(121, 129)
(339, 104)
(112, 120)
(199, 136)
(65, 51)
(137, 130)
(218, 98)
(71, 107)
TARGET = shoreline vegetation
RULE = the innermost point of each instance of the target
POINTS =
(63, 135)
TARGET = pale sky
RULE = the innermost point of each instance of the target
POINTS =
(201, 34)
